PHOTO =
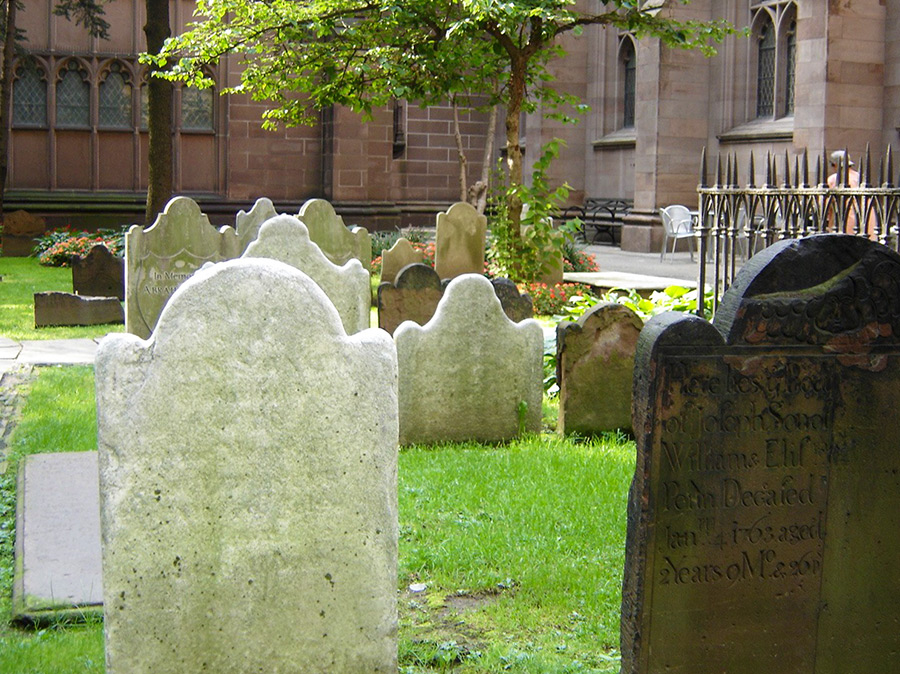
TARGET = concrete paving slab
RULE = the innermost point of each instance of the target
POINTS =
(58, 537)
(621, 279)
(9, 349)
(58, 352)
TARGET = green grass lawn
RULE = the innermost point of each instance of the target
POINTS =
(22, 278)
(519, 549)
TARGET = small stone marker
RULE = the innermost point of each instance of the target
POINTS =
(469, 373)
(594, 369)
(285, 238)
(516, 306)
(764, 515)
(55, 309)
(400, 254)
(160, 258)
(57, 537)
(247, 224)
(339, 242)
(414, 297)
(459, 241)
(20, 228)
(99, 274)
(248, 483)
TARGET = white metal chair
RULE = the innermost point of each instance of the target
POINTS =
(678, 223)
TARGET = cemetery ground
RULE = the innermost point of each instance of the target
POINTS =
(510, 556)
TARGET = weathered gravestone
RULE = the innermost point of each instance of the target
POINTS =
(20, 228)
(247, 224)
(516, 306)
(248, 466)
(397, 257)
(160, 258)
(764, 515)
(414, 296)
(99, 274)
(339, 242)
(594, 369)
(53, 308)
(285, 238)
(469, 373)
(459, 241)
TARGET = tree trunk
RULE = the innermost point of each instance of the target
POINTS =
(460, 151)
(6, 79)
(481, 193)
(159, 104)
(514, 154)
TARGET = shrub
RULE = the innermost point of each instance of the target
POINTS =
(552, 299)
(57, 247)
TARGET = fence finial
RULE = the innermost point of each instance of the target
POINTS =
(718, 170)
(735, 181)
(867, 169)
(787, 170)
(703, 167)
(805, 167)
(768, 169)
(752, 172)
(889, 167)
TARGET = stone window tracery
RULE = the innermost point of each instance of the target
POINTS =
(115, 99)
(73, 96)
(29, 96)
(774, 27)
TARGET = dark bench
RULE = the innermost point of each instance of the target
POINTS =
(604, 215)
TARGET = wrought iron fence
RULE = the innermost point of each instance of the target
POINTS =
(735, 222)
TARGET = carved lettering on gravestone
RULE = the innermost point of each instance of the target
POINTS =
(764, 515)
(459, 241)
(338, 242)
(162, 257)
(248, 483)
(247, 224)
(99, 274)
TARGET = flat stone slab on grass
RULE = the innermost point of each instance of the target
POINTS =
(57, 536)
(9, 349)
(58, 352)
(621, 279)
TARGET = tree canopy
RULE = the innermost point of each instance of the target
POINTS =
(302, 56)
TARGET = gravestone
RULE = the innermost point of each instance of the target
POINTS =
(248, 467)
(469, 373)
(53, 308)
(594, 369)
(400, 254)
(459, 241)
(20, 228)
(339, 242)
(517, 306)
(247, 224)
(99, 274)
(160, 258)
(285, 238)
(413, 297)
(764, 515)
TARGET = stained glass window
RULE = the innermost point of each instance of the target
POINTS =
(765, 74)
(73, 98)
(196, 109)
(115, 100)
(29, 98)
(630, 66)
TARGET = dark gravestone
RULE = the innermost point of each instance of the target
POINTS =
(594, 369)
(99, 274)
(764, 515)
(57, 309)
(516, 306)
(413, 297)
(20, 229)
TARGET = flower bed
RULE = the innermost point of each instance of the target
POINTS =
(58, 247)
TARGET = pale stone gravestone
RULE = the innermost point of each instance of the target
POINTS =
(413, 297)
(160, 258)
(285, 238)
(594, 369)
(400, 255)
(99, 274)
(53, 308)
(57, 572)
(517, 306)
(247, 224)
(339, 242)
(248, 467)
(469, 373)
(459, 241)
(20, 228)
(764, 515)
